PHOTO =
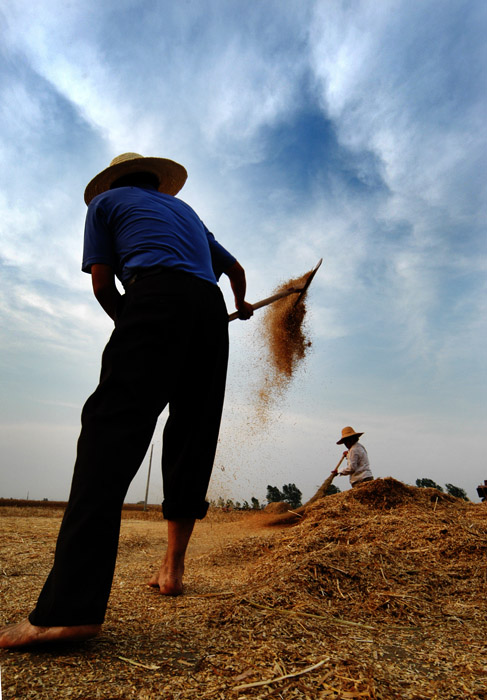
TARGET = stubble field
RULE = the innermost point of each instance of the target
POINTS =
(376, 593)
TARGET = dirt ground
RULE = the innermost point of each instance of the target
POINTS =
(377, 593)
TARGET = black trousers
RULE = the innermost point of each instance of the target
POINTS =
(169, 346)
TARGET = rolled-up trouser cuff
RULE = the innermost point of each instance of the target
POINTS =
(75, 621)
(178, 511)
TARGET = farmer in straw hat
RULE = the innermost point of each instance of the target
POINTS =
(169, 346)
(358, 468)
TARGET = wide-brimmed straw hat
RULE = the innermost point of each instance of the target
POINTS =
(348, 432)
(172, 175)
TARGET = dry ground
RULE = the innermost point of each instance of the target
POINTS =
(377, 593)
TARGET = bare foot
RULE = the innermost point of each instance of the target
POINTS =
(168, 580)
(25, 634)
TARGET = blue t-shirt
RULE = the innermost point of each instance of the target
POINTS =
(130, 228)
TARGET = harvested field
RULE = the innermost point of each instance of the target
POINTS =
(376, 593)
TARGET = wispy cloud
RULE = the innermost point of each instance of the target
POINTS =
(352, 132)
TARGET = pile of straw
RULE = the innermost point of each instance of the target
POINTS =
(377, 594)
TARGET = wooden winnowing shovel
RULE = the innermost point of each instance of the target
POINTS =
(286, 292)
(321, 493)
(293, 516)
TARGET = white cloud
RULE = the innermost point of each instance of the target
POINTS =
(391, 81)
(206, 83)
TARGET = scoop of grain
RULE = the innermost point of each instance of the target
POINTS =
(285, 341)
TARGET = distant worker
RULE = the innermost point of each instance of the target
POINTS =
(358, 468)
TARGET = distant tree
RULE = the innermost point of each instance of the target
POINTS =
(273, 494)
(255, 503)
(229, 504)
(456, 491)
(427, 484)
(332, 489)
(245, 505)
(292, 495)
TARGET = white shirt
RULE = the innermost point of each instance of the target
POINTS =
(357, 464)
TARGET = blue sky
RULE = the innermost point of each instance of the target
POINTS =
(352, 131)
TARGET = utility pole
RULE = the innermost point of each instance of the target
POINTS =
(148, 477)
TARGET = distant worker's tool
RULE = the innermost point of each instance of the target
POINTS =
(322, 491)
(293, 516)
(285, 292)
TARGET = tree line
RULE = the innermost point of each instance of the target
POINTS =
(450, 488)
(291, 495)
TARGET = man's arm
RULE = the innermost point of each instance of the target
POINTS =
(104, 289)
(236, 275)
(348, 469)
(353, 461)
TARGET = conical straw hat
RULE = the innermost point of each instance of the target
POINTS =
(172, 175)
(348, 432)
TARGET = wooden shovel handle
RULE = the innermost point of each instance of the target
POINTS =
(291, 290)
(269, 300)
(341, 460)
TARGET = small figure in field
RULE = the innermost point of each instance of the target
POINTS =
(358, 468)
(169, 347)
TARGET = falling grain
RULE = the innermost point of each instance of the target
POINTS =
(285, 345)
